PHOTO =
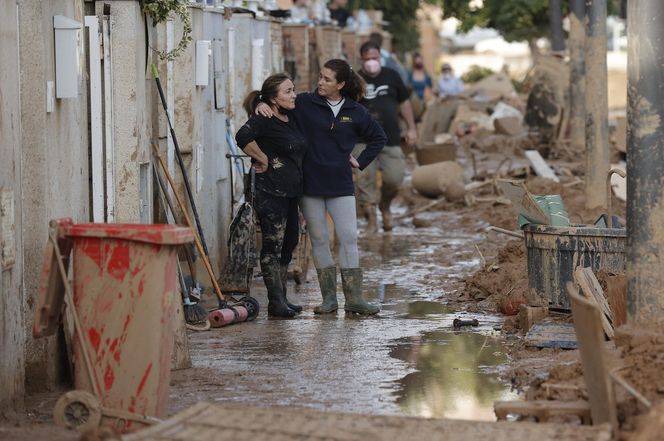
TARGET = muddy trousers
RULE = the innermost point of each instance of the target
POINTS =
(342, 212)
(278, 218)
(392, 163)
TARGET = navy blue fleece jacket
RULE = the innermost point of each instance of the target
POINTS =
(326, 167)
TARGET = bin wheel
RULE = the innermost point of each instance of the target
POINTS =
(252, 307)
(78, 410)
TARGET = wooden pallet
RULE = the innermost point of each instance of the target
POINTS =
(221, 422)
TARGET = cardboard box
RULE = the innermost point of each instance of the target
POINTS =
(431, 152)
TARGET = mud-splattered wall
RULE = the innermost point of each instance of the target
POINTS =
(54, 143)
(12, 340)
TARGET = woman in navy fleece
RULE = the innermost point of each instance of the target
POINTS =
(333, 122)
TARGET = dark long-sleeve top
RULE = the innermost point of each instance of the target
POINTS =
(327, 169)
(284, 145)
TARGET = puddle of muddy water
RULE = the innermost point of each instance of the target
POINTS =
(453, 377)
(406, 361)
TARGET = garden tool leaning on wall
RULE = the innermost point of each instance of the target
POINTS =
(230, 310)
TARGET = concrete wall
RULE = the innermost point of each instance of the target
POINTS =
(132, 106)
(200, 119)
(55, 161)
(12, 337)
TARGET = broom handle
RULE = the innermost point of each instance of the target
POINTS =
(167, 205)
(155, 74)
(187, 219)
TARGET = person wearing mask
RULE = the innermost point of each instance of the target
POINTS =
(386, 58)
(334, 122)
(386, 98)
(338, 12)
(448, 84)
(418, 78)
(276, 146)
(420, 83)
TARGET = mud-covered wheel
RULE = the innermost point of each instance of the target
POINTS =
(78, 410)
(252, 307)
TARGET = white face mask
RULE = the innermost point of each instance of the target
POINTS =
(371, 67)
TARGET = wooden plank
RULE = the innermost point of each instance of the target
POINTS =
(234, 421)
(587, 276)
(594, 293)
(540, 166)
(588, 327)
(551, 335)
(522, 200)
(616, 295)
(181, 358)
(528, 315)
(542, 409)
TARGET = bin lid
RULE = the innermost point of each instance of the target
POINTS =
(51, 293)
(162, 234)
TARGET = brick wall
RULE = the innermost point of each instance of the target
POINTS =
(324, 44)
(296, 54)
(306, 49)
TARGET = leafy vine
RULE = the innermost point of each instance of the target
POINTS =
(160, 11)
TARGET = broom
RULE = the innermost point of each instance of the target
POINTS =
(194, 314)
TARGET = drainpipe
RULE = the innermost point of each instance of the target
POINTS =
(645, 160)
(257, 63)
(576, 44)
(597, 107)
(556, 25)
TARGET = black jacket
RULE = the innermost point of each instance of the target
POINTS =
(284, 145)
(327, 169)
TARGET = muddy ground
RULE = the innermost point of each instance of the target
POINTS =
(437, 265)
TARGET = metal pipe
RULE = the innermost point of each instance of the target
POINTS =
(556, 25)
(645, 160)
(597, 107)
(577, 51)
(96, 132)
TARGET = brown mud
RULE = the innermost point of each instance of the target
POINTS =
(437, 264)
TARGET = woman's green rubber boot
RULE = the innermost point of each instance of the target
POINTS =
(351, 279)
(327, 279)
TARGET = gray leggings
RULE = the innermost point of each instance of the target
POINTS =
(342, 211)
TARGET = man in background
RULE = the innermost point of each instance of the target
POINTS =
(386, 58)
(386, 98)
(448, 84)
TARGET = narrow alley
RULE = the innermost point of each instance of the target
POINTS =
(494, 169)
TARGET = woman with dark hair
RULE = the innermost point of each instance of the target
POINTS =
(418, 78)
(333, 122)
(276, 146)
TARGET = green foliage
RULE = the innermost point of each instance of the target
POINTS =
(476, 73)
(515, 20)
(160, 11)
(401, 15)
